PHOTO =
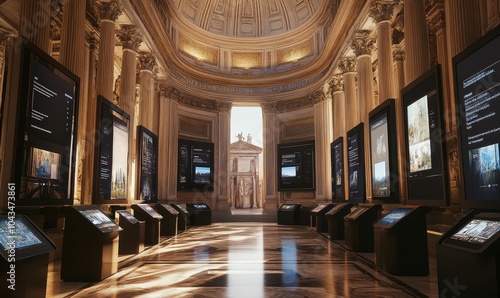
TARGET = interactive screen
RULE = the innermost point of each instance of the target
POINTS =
(337, 159)
(46, 146)
(200, 206)
(296, 166)
(128, 216)
(148, 181)
(477, 85)
(16, 233)
(394, 216)
(336, 209)
(356, 213)
(100, 220)
(150, 211)
(112, 150)
(288, 207)
(319, 208)
(195, 165)
(477, 231)
(355, 164)
(425, 140)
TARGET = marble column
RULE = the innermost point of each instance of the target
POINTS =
(34, 23)
(163, 133)
(348, 69)
(130, 39)
(398, 57)
(224, 141)
(338, 103)
(322, 139)
(109, 12)
(5, 36)
(270, 167)
(381, 11)
(490, 14)
(362, 46)
(146, 90)
(73, 57)
(416, 39)
(173, 136)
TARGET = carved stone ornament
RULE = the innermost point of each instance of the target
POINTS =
(382, 10)
(398, 55)
(337, 83)
(110, 10)
(347, 65)
(268, 107)
(147, 61)
(130, 37)
(362, 43)
(197, 102)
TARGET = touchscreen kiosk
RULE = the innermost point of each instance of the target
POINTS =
(152, 219)
(200, 214)
(289, 214)
(318, 217)
(358, 227)
(336, 220)
(400, 240)
(182, 219)
(469, 253)
(90, 244)
(132, 237)
(31, 257)
(168, 224)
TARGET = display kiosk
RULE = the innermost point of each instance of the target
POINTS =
(132, 237)
(31, 258)
(200, 214)
(152, 219)
(468, 257)
(289, 214)
(358, 227)
(168, 224)
(90, 244)
(318, 217)
(400, 240)
(335, 219)
(182, 219)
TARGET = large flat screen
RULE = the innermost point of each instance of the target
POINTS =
(356, 164)
(383, 152)
(394, 216)
(112, 154)
(425, 141)
(21, 234)
(46, 139)
(337, 157)
(477, 84)
(296, 166)
(195, 166)
(148, 174)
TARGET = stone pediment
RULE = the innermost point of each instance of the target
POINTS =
(242, 146)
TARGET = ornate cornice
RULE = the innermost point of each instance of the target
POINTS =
(362, 43)
(130, 37)
(299, 103)
(109, 10)
(382, 10)
(269, 107)
(348, 65)
(194, 101)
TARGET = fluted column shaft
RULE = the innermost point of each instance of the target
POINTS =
(73, 57)
(416, 39)
(398, 57)
(348, 67)
(224, 141)
(163, 133)
(338, 103)
(173, 142)
(146, 92)
(34, 22)
(322, 140)
(270, 137)
(463, 18)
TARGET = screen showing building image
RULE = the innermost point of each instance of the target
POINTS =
(419, 136)
(288, 172)
(119, 160)
(202, 175)
(394, 216)
(484, 164)
(477, 231)
(45, 164)
(381, 178)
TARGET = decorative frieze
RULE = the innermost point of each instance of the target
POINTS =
(194, 101)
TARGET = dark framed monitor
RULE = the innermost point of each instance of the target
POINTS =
(480, 231)
(147, 143)
(46, 131)
(476, 73)
(111, 186)
(356, 164)
(22, 235)
(384, 152)
(427, 171)
(195, 166)
(394, 216)
(296, 166)
(337, 157)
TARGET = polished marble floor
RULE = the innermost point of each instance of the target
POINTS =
(247, 260)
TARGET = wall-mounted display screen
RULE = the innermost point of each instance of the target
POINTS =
(356, 164)
(477, 84)
(22, 235)
(148, 174)
(195, 165)
(383, 150)
(111, 154)
(427, 170)
(337, 157)
(394, 216)
(48, 102)
(296, 166)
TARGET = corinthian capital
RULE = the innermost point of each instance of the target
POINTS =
(362, 43)
(337, 83)
(109, 10)
(347, 65)
(381, 10)
(147, 61)
(129, 37)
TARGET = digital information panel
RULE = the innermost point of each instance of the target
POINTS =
(195, 165)
(381, 175)
(337, 156)
(148, 180)
(394, 216)
(100, 220)
(355, 164)
(296, 166)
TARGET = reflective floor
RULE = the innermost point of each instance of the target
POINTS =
(247, 260)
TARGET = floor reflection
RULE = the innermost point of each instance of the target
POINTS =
(247, 260)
